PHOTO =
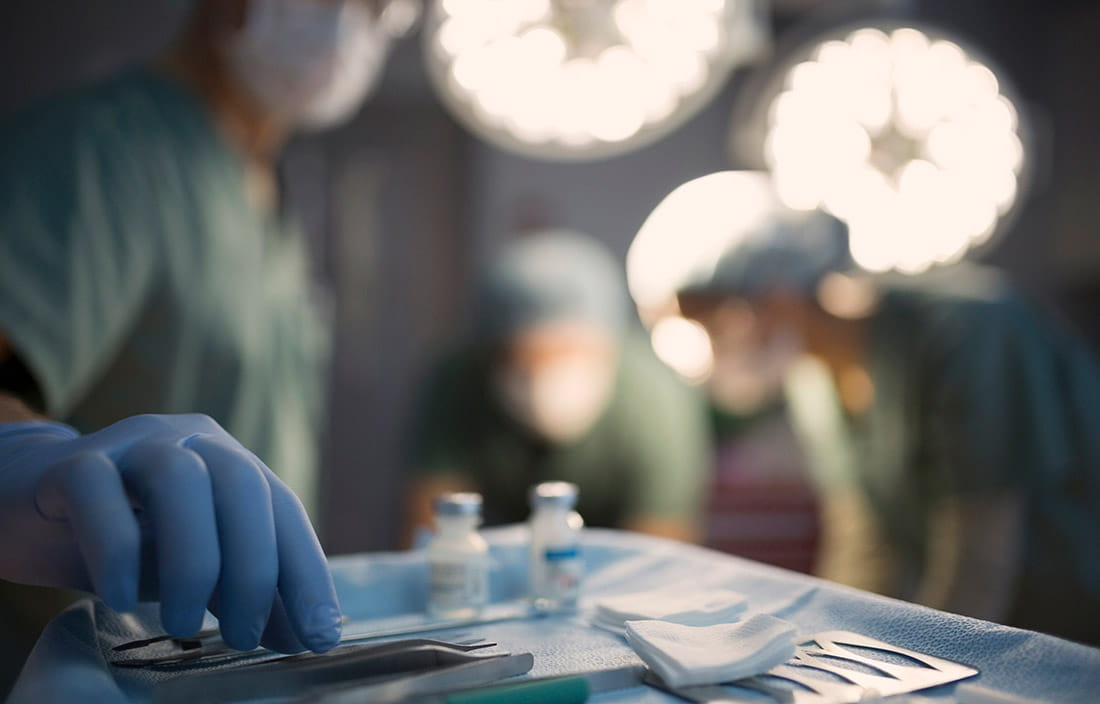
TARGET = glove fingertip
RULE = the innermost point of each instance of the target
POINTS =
(323, 628)
(282, 640)
(181, 623)
(279, 635)
(120, 595)
(240, 637)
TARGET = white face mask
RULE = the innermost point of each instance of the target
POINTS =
(747, 376)
(312, 63)
(560, 402)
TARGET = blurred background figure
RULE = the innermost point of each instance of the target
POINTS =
(761, 502)
(149, 264)
(949, 422)
(557, 384)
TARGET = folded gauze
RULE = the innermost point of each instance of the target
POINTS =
(695, 655)
(690, 607)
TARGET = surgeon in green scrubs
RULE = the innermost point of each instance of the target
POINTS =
(558, 385)
(147, 266)
(952, 425)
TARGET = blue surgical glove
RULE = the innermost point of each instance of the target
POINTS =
(174, 498)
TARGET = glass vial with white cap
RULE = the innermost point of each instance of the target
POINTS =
(458, 558)
(556, 563)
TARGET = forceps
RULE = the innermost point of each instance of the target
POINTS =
(206, 648)
(397, 663)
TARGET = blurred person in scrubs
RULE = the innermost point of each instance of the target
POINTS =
(761, 502)
(951, 425)
(559, 385)
(147, 266)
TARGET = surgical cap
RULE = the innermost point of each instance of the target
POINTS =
(790, 250)
(551, 276)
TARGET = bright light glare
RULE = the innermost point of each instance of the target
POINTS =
(688, 231)
(577, 75)
(685, 346)
(905, 137)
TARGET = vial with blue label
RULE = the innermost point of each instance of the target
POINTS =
(458, 558)
(556, 562)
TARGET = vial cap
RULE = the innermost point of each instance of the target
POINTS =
(557, 494)
(466, 503)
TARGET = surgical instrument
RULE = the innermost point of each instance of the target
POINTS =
(393, 665)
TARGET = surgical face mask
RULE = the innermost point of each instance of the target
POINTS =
(311, 63)
(560, 401)
(748, 375)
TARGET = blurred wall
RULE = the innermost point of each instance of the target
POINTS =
(1077, 164)
(609, 198)
(48, 44)
(394, 252)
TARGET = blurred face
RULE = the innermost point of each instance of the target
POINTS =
(309, 63)
(754, 343)
(557, 379)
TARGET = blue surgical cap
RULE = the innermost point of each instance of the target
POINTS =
(791, 250)
(551, 276)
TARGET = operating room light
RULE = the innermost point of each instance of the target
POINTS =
(681, 241)
(582, 79)
(684, 236)
(685, 346)
(905, 136)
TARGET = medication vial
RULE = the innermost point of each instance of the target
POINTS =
(458, 558)
(556, 564)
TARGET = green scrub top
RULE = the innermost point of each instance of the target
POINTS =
(648, 454)
(135, 277)
(977, 391)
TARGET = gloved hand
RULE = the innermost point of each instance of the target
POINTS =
(174, 506)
